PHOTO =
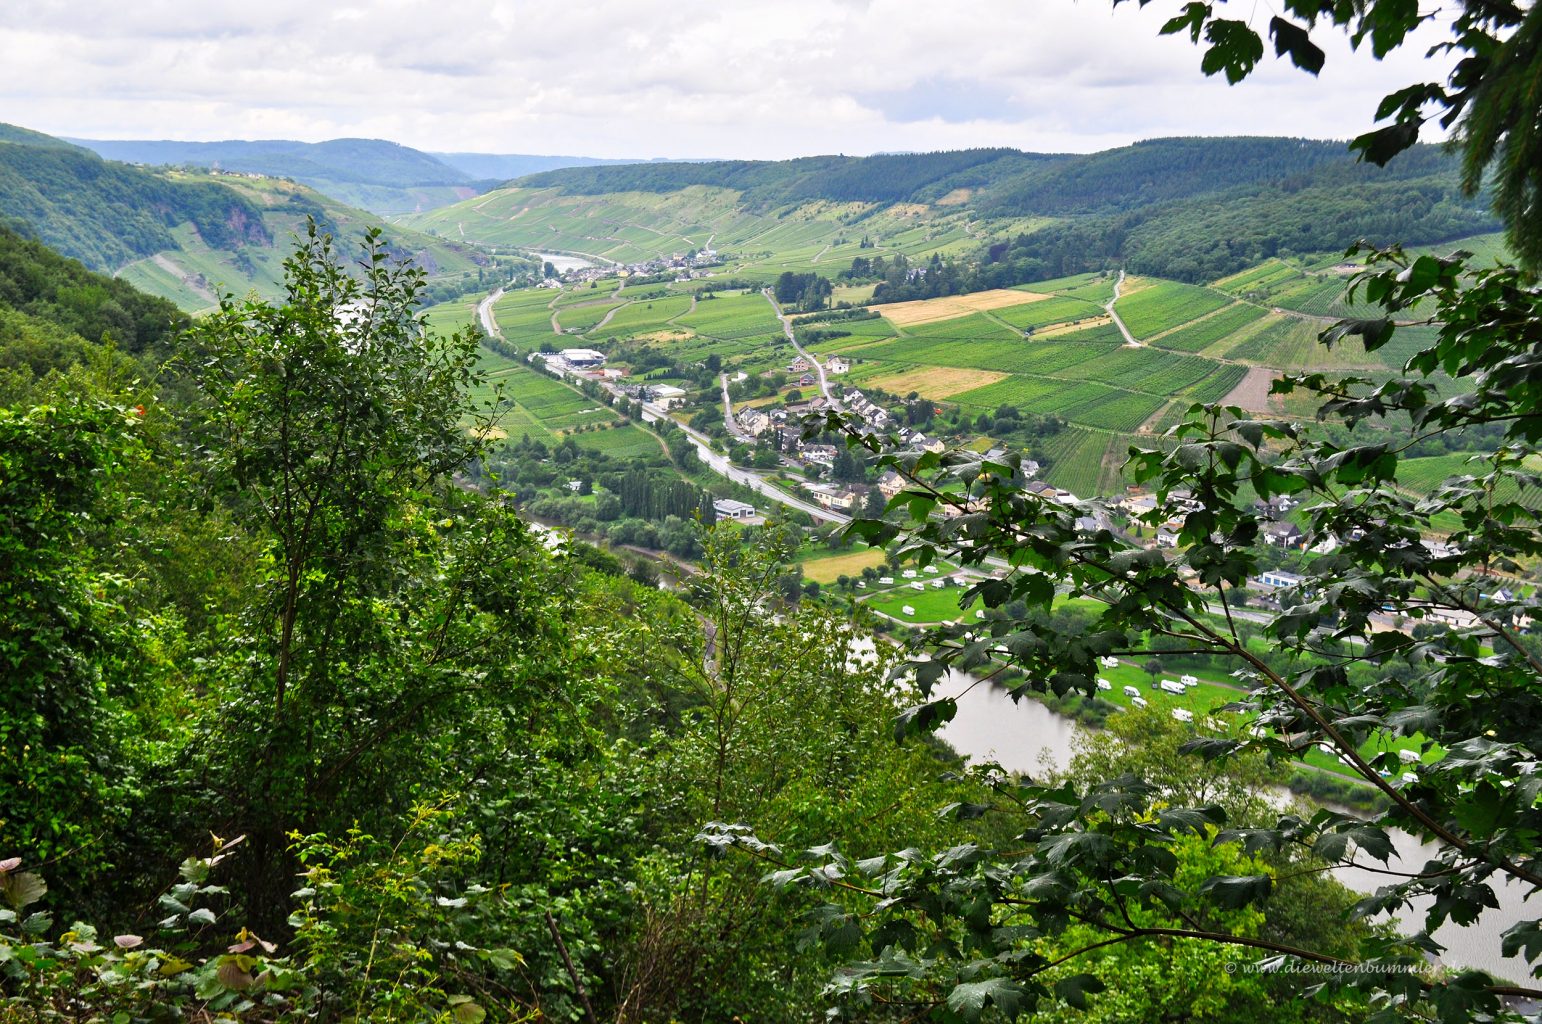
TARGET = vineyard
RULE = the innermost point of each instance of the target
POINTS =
(1076, 458)
(1167, 304)
(729, 318)
(1201, 334)
(582, 318)
(646, 315)
(1049, 311)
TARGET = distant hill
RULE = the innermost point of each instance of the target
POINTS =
(186, 236)
(384, 177)
(106, 214)
(1188, 208)
(506, 166)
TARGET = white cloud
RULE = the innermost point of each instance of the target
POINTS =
(685, 78)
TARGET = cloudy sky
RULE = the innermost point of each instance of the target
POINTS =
(641, 78)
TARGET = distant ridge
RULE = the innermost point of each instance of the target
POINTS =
(1192, 209)
(506, 166)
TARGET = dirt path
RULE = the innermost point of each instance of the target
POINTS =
(1252, 391)
(1129, 339)
(607, 317)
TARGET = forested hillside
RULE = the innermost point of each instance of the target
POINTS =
(188, 236)
(370, 173)
(1190, 209)
(106, 214)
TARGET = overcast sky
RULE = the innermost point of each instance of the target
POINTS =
(685, 78)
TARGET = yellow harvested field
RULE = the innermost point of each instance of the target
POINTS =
(1070, 328)
(937, 382)
(828, 570)
(926, 311)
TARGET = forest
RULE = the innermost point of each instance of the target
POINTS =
(105, 214)
(286, 680)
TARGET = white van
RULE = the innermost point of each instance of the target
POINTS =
(1104, 684)
(1109, 661)
(1188, 681)
(909, 574)
(907, 610)
(916, 585)
(1172, 686)
(1139, 702)
(1130, 691)
(1182, 715)
(886, 580)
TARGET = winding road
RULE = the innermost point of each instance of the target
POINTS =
(485, 314)
(824, 385)
(1129, 339)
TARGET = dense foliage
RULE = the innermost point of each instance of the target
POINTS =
(105, 214)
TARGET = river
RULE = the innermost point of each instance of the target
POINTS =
(562, 262)
(1028, 737)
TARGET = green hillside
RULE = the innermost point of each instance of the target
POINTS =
(1186, 209)
(373, 174)
(192, 272)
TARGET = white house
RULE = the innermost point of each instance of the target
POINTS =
(836, 364)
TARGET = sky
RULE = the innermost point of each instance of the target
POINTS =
(645, 79)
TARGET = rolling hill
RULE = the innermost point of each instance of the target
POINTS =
(372, 174)
(1188, 209)
(185, 236)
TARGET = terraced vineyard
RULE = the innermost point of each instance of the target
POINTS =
(1165, 305)
(1201, 334)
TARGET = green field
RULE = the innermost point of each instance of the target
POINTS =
(1058, 310)
(1201, 334)
(1165, 305)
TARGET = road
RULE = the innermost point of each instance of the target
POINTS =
(485, 314)
(1129, 339)
(720, 465)
(824, 385)
(728, 411)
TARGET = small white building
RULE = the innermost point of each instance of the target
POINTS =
(836, 364)
(728, 508)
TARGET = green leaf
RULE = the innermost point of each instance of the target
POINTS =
(1074, 989)
(1235, 891)
(1293, 39)
(924, 718)
(970, 999)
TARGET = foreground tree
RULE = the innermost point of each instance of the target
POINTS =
(1413, 620)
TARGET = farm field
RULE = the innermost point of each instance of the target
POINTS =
(1164, 305)
(948, 307)
(582, 318)
(1061, 309)
(936, 382)
(1200, 334)
(646, 315)
(732, 317)
(825, 570)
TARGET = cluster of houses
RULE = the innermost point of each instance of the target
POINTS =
(685, 268)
